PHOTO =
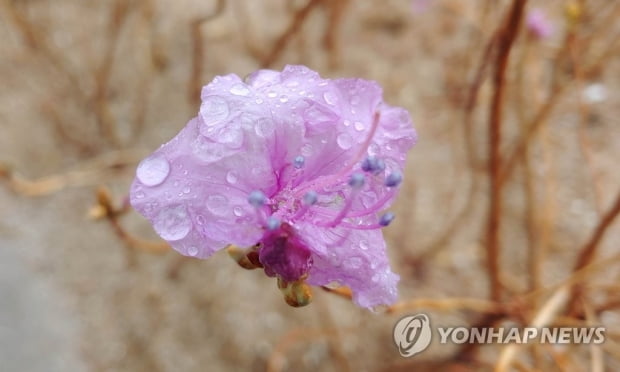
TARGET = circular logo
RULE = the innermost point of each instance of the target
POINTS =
(412, 334)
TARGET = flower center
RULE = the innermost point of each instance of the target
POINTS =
(284, 254)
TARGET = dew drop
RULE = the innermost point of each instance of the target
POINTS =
(153, 170)
(259, 100)
(231, 177)
(307, 150)
(359, 126)
(345, 141)
(192, 251)
(346, 123)
(272, 94)
(353, 263)
(292, 83)
(186, 190)
(213, 110)
(264, 127)
(173, 223)
(283, 99)
(139, 195)
(217, 204)
(239, 90)
(364, 245)
(330, 98)
(238, 211)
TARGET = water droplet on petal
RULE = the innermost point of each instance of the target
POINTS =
(353, 263)
(307, 150)
(283, 99)
(264, 127)
(192, 251)
(292, 83)
(173, 223)
(344, 140)
(272, 94)
(259, 100)
(239, 90)
(186, 190)
(364, 245)
(330, 98)
(217, 204)
(231, 177)
(238, 211)
(153, 170)
(213, 110)
(359, 126)
(139, 195)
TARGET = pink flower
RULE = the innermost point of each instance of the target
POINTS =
(538, 24)
(296, 166)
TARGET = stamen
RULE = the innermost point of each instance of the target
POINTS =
(299, 162)
(356, 182)
(308, 200)
(322, 182)
(273, 223)
(393, 179)
(257, 198)
(386, 219)
(373, 164)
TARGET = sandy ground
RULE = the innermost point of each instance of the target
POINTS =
(74, 297)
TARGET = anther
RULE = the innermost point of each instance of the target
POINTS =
(299, 162)
(310, 198)
(393, 179)
(386, 219)
(373, 164)
(273, 223)
(257, 198)
(357, 180)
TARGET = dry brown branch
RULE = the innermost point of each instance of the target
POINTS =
(92, 172)
(277, 359)
(195, 78)
(544, 317)
(449, 304)
(105, 209)
(589, 249)
(506, 38)
(298, 19)
(336, 10)
(105, 118)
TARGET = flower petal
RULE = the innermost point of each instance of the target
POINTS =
(353, 258)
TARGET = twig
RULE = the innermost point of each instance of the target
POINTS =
(545, 316)
(505, 41)
(292, 29)
(449, 304)
(588, 251)
(336, 10)
(92, 172)
(105, 118)
(195, 78)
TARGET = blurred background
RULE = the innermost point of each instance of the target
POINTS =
(507, 215)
